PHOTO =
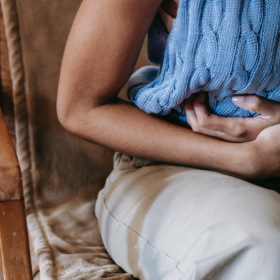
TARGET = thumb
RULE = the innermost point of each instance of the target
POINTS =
(256, 104)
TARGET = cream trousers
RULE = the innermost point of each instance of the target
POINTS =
(167, 222)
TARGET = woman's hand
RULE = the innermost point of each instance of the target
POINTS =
(232, 129)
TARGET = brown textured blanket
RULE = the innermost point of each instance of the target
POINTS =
(61, 173)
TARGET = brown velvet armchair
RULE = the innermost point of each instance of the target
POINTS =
(61, 175)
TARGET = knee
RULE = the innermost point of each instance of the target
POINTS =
(261, 255)
(246, 250)
(254, 221)
(267, 232)
(261, 217)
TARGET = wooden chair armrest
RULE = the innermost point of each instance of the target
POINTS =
(15, 262)
(10, 176)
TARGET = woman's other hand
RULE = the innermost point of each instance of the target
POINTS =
(232, 129)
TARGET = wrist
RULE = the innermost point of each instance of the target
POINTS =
(256, 161)
(248, 160)
(241, 160)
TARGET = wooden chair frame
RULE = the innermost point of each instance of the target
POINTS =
(14, 245)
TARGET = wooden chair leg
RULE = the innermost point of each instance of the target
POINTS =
(14, 245)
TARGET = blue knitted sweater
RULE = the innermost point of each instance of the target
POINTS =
(223, 47)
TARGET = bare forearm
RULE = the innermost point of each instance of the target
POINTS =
(123, 127)
(100, 55)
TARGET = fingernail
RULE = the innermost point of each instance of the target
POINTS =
(238, 99)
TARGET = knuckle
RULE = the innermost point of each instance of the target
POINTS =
(256, 103)
(196, 128)
(202, 122)
(239, 131)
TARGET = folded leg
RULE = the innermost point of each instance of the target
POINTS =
(170, 222)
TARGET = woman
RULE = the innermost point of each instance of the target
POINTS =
(164, 221)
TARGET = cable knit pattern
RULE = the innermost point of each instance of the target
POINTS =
(223, 47)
